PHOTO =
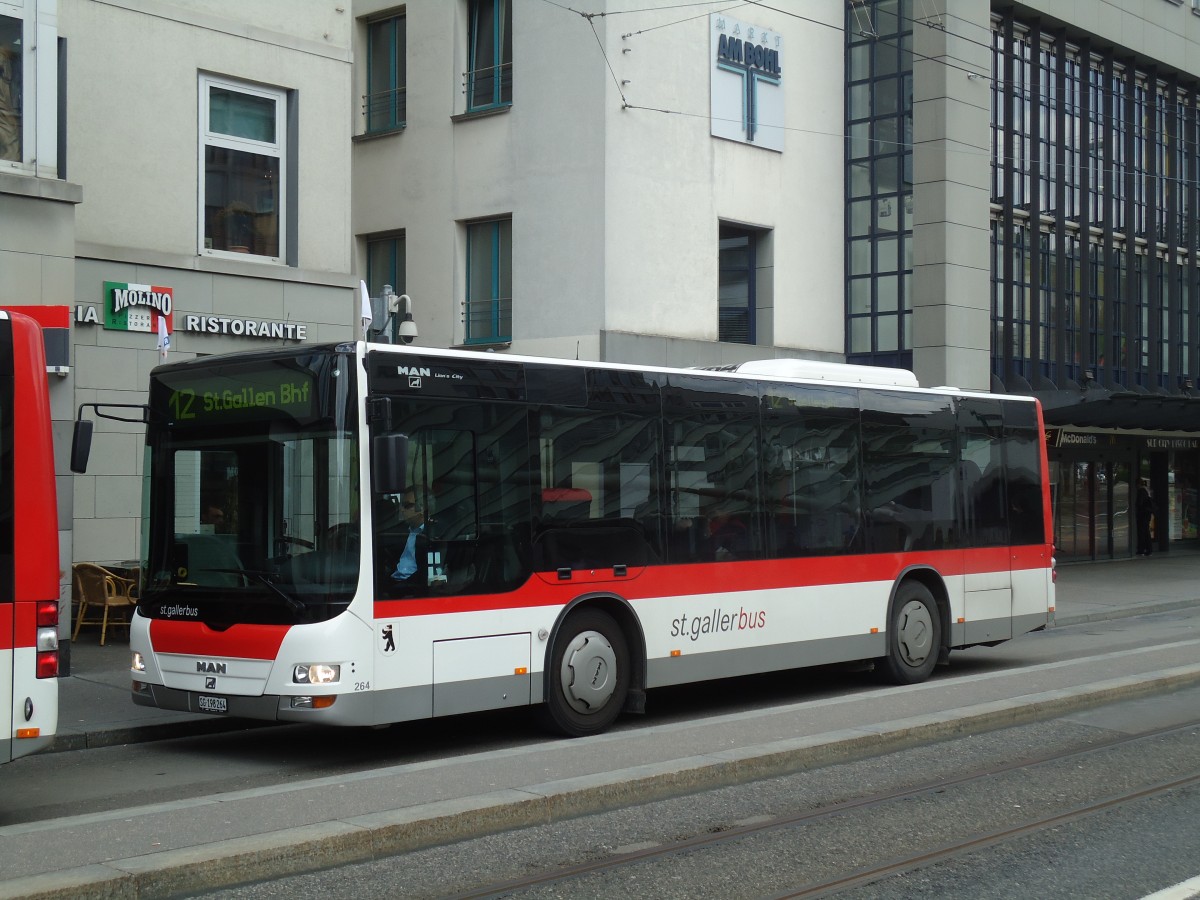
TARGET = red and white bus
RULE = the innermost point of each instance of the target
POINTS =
(29, 560)
(362, 534)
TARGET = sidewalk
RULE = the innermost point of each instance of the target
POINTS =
(95, 709)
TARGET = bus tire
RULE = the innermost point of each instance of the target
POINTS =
(588, 676)
(914, 637)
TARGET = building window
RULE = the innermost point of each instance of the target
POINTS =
(11, 89)
(489, 78)
(242, 134)
(736, 304)
(879, 191)
(386, 57)
(385, 265)
(488, 315)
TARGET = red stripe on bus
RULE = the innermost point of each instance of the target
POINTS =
(725, 577)
(197, 639)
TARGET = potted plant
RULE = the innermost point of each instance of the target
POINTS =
(235, 228)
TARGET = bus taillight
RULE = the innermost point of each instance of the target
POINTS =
(47, 662)
(47, 639)
(47, 614)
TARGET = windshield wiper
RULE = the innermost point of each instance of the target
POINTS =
(264, 578)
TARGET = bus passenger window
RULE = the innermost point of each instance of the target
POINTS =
(812, 484)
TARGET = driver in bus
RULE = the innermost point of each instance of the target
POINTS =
(410, 560)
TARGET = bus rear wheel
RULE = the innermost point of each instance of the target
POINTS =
(914, 638)
(589, 675)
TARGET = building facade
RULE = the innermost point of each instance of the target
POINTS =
(650, 187)
(187, 162)
(997, 195)
(1015, 185)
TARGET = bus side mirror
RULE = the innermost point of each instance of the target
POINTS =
(389, 458)
(81, 445)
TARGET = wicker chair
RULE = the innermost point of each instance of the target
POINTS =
(100, 594)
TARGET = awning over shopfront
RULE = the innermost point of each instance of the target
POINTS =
(1095, 406)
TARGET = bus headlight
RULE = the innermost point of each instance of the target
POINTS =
(137, 662)
(316, 673)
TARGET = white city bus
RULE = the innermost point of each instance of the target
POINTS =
(362, 534)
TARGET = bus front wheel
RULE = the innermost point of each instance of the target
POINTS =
(589, 675)
(914, 636)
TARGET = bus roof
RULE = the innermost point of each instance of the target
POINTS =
(783, 369)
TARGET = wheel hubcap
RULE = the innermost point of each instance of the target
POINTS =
(914, 633)
(589, 672)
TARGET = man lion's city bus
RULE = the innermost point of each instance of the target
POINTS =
(363, 534)
(28, 544)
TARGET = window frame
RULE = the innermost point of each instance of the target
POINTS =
(277, 149)
(40, 115)
(395, 112)
(18, 85)
(393, 245)
(727, 235)
(496, 260)
(501, 65)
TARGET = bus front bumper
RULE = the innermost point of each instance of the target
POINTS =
(346, 709)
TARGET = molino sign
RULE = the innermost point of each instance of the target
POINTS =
(137, 307)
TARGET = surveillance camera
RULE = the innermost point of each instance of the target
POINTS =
(407, 330)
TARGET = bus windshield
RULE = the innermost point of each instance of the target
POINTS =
(252, 482)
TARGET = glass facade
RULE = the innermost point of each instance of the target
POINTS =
(879, 182)
(1094, 183)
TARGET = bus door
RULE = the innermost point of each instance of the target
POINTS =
(987, 572)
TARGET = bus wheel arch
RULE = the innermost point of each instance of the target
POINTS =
(600, 634)
(918, 627)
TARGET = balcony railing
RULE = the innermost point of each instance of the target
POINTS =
(488, 87)
(385, 110)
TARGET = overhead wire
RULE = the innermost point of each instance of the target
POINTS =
(843, 136)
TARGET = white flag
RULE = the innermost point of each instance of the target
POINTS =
(365, 312)
(164, 339)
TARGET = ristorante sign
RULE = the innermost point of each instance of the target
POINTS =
(138, 307)
(746, 83)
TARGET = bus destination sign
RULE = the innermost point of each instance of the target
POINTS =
(268, 394)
